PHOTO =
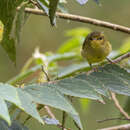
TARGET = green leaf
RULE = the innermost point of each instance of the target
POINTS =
(20, 98)
(57, 57)
(77, 88)
(1, 31)
(125, 47)
(52, 10)
(27, 104)
(14, 126)
(9, 93)
(70, 44)
(48, 94)
(70, 70)
(78, 32)
(7, 14)
(84, 104)
(19, 21)
(77, 39)
(4, 111)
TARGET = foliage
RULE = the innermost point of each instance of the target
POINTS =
(71, 81)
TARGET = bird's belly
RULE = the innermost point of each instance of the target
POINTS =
(96, 55)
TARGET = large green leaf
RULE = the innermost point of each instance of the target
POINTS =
(78, 88)
(20, 98)
(7, 14)
(48, 94)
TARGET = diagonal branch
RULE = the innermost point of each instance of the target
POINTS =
(118, 106)
(120, 127)
(82, 19)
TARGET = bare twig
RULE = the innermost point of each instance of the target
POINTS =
(63, 119)
(47, 77)
(49, 112)
(110, 119)
(127, 55)
(119, 127)
(53, 116)
(119, 106)
(82, 19)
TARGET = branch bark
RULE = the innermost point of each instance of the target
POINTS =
(118, 106)
(82, 19)
(120, 127)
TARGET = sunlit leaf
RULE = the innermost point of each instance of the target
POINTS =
(125, 46)
(1, 31)
(70, 45)
(84, 104)
(78, 32)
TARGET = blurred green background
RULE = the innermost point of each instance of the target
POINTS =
(38, 32)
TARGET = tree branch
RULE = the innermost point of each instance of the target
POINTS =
(118, 106)
(120, 127)
(121, 57)
(82, 19)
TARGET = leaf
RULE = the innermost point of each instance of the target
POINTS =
(17, 126)
(1, 31)
(7, 14)
(18, 22)
(28, 105)
(48, 94)
(125, 47)
(14, 126)
(84, 104)
(77, 39)
(82, 2)
(57, 57)
(69, 70)
(69, 45)
(77, 88)
(52, 10)
(9, 93)
(20, 98)
(4, 111)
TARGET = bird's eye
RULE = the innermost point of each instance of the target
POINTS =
(100, 38)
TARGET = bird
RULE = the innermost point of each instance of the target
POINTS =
(96, 48)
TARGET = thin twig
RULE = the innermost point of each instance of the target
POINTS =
(82, 19)
(127, 55)
(119, 106)
(47, 77)
(119, 127)
(110, 119)
(53, 116)
(63, 119)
